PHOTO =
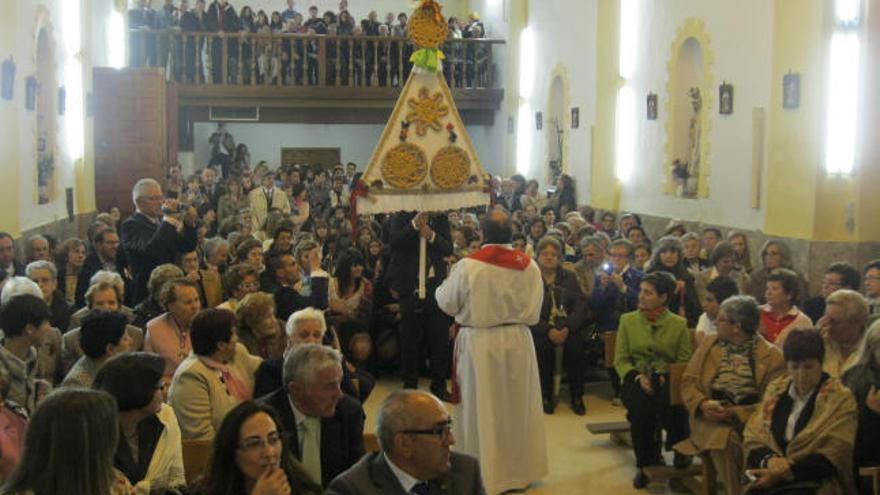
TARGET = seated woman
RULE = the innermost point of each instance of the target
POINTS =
(149, 450)
(563, 318)
(648, 341)
(217, 375)
(250, 457)
(684, 301)
(863, 379)
(69, 447)
(722, 260)
(13, 423)
(717, 291)
(151, 307)
(780, 315)
(238, 281)
(742, 255)
(102, 336)
(774, 254)
(258, 329)
(45, 275)
(168, 335)
(724, 382)
(801, 437)
(351, 301)
(690, 244)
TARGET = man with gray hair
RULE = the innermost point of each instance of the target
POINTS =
(37, 249)
(153, 234)
(323, 426)
(415, 436)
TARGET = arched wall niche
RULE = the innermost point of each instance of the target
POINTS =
(45, 134)
(557, 126)
(688, 112)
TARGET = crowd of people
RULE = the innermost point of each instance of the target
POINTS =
(289, 60)
(250, 307)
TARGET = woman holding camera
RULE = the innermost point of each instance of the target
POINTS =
(648, 341)
(724, 383)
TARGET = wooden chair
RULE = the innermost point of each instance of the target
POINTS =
(698, 478)
(196, 454)
(872, 472)
(619, 430)
(371, 442)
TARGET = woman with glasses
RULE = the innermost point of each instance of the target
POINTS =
(250, 457)
(774, 254)
(149, 451)
(239, 280)
(723, 383)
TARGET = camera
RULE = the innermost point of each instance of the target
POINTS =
(607, 268)
(181, 208)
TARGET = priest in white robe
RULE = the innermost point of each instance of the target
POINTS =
(494, 295)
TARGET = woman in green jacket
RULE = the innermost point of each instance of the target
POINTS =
(648, 341)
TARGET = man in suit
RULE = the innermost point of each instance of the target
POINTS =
(7, 256)
(415, 437)
(264, 198)
(210, 188)
(153, 236)
(421, 321)
(221, 18)
(324, 427)
(104, 257)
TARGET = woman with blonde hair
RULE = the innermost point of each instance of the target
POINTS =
(258, 329)
(862, 379)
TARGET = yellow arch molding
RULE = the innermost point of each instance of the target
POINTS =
(695, 28)
(561, 72)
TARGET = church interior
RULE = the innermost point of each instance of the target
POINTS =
(750, 117)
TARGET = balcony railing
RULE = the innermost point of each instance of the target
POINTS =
(295, 60)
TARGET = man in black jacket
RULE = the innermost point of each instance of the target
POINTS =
(152, 235)
(221, 18)
(323, 426)
(421, 321)
(104, 257)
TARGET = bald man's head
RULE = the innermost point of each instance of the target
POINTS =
(496, 228)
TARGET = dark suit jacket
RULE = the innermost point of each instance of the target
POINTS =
(372, 476)
(91, 266)
(148, 245)
(214, 197)
(342, 435)
(403, 271)
(231, 23)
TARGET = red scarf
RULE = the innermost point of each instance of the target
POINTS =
(502, 256)
(652, 314)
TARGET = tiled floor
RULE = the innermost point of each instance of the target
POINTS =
(580, 463)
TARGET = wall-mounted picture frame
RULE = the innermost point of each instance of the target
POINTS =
(7, 79)
(62, 100)
(725, 98)
(30, 98)
(539, 120)
(791, 90)
(575, 117)
(651, 104)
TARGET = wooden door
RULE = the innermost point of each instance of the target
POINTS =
(315, 158)
(130, 109)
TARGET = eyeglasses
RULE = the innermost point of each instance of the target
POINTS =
(441, 430)
(255, 444)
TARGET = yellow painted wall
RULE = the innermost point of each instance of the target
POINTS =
(605, 189)
(9, 136)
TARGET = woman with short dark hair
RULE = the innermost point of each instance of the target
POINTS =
(669, 257)
(648, 341)
(149, 449)
(801, 437)
(250, 455)
(217, 375)
(781, 315)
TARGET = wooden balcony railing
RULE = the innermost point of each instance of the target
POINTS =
(294, 60)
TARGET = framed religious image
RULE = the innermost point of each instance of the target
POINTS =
(8, 79)
(62, 100)
(575, 117)
(539, 120)
(791, 90)
(725, 99)
(30, 98)
(652, 106)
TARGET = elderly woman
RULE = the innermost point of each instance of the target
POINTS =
(803, 433)
(168, 335)
(258, 329)
(151, 307)
(862, 379)
(843, 329)
(722, 260)
(724, 382)
(45, 275)
(238, 281)
(690, 243)
(780, 315)
(218, 375)
(774, 254)
(561, 325)
(648, 341)
(668, 257)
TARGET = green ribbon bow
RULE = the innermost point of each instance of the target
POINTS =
(427, 58)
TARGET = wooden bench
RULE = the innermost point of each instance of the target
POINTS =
(872, 472)
(619, 430)
(196, 454)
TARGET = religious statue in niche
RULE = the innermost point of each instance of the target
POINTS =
(687, 172)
